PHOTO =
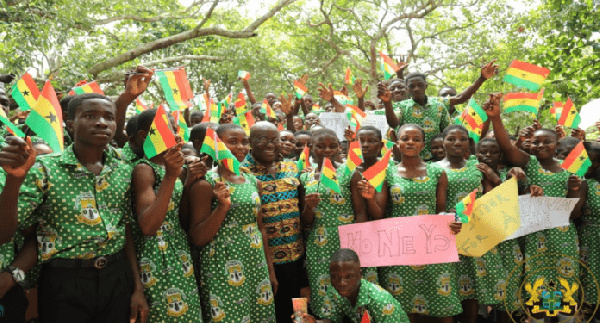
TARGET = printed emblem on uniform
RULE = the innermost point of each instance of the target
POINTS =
(321, 236)
(388, 309)
(160, 238)
(396, 193)
(419, 305)
(147, 269)
(235, 269)
(480, 267)
(327, 307)
(428, 125)
(186, 263)
(551, 299)
(175, 301)
(465, 284)
(394, 284)
(444, 287)
(337, 199)
(324, 283)
(265, 293)
(541, 242)
(88, 211)
(101, 184)
(346, 218)
(417, 111)
(500, 289)
(47, 241)
(216, 311)
(565, 267)
(255, 236)
(422, 209)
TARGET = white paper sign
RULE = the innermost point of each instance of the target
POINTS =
(378, 120)
(336, 121)
(590, 114)
(541, 213)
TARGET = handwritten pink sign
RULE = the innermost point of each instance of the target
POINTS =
(408, 241)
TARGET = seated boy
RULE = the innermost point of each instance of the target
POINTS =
(353, 297)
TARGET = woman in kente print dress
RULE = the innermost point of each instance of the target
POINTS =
(415, 188)
(163, 251)
(480, 279)
(226, 222)
(550, 254)
(325, 210)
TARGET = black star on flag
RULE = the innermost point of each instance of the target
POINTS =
(175, 91)
(474, 113)
(573, 112)
(51, 117)
(152, 132)
(333, 177)
(582, 158)
(25, 93)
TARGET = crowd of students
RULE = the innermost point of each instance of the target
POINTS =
(107, 234)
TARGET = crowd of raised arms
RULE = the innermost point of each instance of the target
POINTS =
(106, 234)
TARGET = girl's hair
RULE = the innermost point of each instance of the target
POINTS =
(371, 128)
(484, 140)
(413, 126)
(549, 132)
(454, 127)
(438, 136)
(222, 128)
(323, 133)
(199, 131)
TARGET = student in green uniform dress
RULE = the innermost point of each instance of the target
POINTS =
(553, 253)
(416, 188)
(237, 279)
(324, 210)
(81, 200)
(163, 251)
(479, 278)
(353, 298)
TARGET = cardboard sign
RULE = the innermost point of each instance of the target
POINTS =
(495, 216)
(541, 213)
(336, 121)
(416, 240)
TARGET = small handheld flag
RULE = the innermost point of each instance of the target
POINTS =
(300, 89)
(90, 87)
(45, 118)
(348, 77)
(214, 147)
(240, 104)
(25, 92)
(342, 98)
(464, 208)
(244, 75)
(329, 176)
(176, 88)
(526, 75)
(568, 115)
(528, 102)
(577, 162)
(266, 107)
(387, 145)
(316, 107)
(160, 136)
(388, 66)
(246, 120)
(11, 127)
(140, 106)
(376, 173)
(182, 128)
(355, 157)
(473, 118)
(304, 160)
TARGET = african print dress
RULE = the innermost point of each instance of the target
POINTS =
(428, 289)
(323, 240)
(553, 253)
(234, 283)
(166, 267)
(590, 244)
(480, 278)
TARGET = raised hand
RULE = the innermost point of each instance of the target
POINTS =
(137, 83)
(492, 105)
(174, 160)
(383, 93)
(303, 79)
(536, 124)
(358, 89)
(578, 133)
(349, 134)
(18, 157)
(206, 85)
(344, 90)
(560, 132)
(286, 104)
(518, 173)
(489, 70)
(222, 193)
(325, 93)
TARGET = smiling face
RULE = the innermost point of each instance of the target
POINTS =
(410, 141)
(94, 123)
(265, 143)
(311, 119)
(301, 142)
(398, 89)
(298, 123)
(345, 278)
(543, 145)
(456, 143)
(370, 143)
(416, 88)
(271, 98)
(237, 141)
(489, 153)
(288, 143)
(325, 146)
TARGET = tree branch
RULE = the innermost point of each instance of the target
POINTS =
(181, 58)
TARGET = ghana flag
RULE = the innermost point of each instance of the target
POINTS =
(90, 87)
(569, 116)
(342, 98)
(528, 102)
(376, 173)
(176, 88)
(387, 145)
(300, 89)
(464, 208)
(9, 125)
(213, 112)
(160, 136)
(245, 120)
(214, 147)
(266, 108)
(25, 92)
(240, 104)
(473, 118)
(354, 155)
(304, 159)
(182, 128)
(45, 118)
(577, 162)
(348, 77)
(329, 176)
(526, 75)
(244, 75)
(140, 106)
(388, 66)
(316, 107)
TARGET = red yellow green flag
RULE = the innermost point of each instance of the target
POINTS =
(304, 160)
(329, 176)
(244, 75)
(140, 106)
(342, 98)
(316, 107)
(228, 99)
(214, 147)
(348, 77)
(356, 116)
(354, 155)
(472, 118)
(577, 162)
(160, 136)
(45, 118)
(90, 87)
(556, 109)
(526, 75)
(387, 145)
(568, 115)
(240, 104)
(266, 108)
(25, 92)
(246, 120)
(376, 173)
(300, 89)
(213, 111)
(388, 66)
(182, 128)
(11, 127)
(529, 102)
(176, 88)
(464, 208)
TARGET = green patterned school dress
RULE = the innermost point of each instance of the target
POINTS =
(480, 278)
(323, 240)
(551, 253)
(590, 244)
(428, 289)
(166, 268)
(234, 282)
